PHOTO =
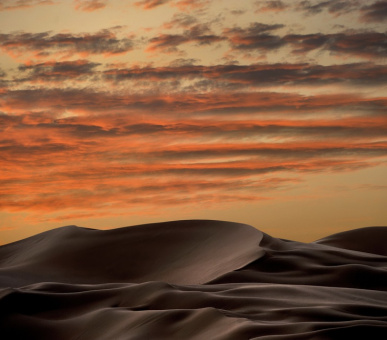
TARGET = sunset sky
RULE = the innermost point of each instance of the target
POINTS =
(270, 113)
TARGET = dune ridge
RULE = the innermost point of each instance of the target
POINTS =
(193, 280)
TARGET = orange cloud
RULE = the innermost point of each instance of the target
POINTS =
(186, 5)
(150, 4)
(116, 161)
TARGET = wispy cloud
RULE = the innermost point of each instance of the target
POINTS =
(367, 44)
(198, 34)
(257, 75)
(150, 4)
(332, 6)
(89, 5)
(57, 71)
(181, 20)
(258, 36)
(86, 100)
(187, 5)
(20, 4)
(46, 44)
(271, 6)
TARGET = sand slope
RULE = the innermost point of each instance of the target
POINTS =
(191, 252)
(193, 280)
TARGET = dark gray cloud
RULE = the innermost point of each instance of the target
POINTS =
(364, 44)
(254, 29)
(373, 12)
(259, 74)
(199, 34)
(181, 20)
(58, 71)
(45, 43)
(183, 62)
(336, 7)
(367, 44)
(271, 5)
(308, 42)
(256, 36)
(376, 12)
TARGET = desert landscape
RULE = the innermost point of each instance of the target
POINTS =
(193, 279)
(131, 132)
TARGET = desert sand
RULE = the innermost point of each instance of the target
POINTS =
(194, 279)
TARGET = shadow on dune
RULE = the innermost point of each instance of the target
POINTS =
(193, 280)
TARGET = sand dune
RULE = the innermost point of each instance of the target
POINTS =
(184, 252)
(193, 280)
(369, 240)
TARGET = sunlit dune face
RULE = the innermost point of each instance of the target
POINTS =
(121, 112)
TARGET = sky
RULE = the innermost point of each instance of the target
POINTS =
(116, 113)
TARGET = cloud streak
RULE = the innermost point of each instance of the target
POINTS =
(332, 6)
(57, 71)
(44, 45)
(20, 4)
(150, 4)
(198, 34)
(259, 74)
(364, 44)
(89, 5)
(221, 104)
(271, 6)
